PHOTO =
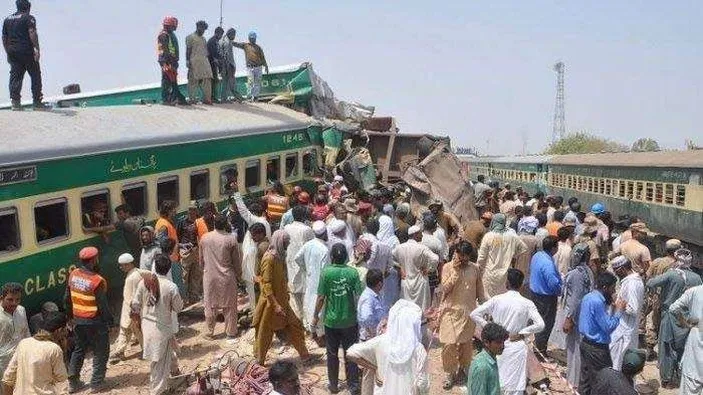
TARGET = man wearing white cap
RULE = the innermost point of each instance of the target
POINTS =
(415, 261)
(299, 233)
(311, 258)
(128, 328)
(625, 337)
(338, 188)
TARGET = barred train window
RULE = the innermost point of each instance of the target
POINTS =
(95, 209)
(9, 230)
(639, 188)
(658, 192)
(135, 196)
(228, 177)
(200, 185)
(623, 186)
(680, 195)
(167, 189)
(601, 186)
(51, 220)
(630, 190)
(669, 193)
(649, 191)
(273, 169)
(608, 187)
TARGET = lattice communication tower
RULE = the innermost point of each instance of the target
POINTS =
(559, 125)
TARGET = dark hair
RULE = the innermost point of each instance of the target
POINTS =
(11, 288)
(605, 280)
(278, 188)
(549, 243)
(219, 30)
(257, 227)
(300, 213)
(429, 221)
(515, 278)
(23, 5)
(559, 215)
(465, 248)
(580, 216)
(541, 219)
(168, 245)
(558, 200)
(519, 210)
(338, 254)
(220, 222)
(539, 195)
(201, 23)
(166, 207)
(320, 199)
(564, 233)
(53, 320)
(232, 31)
(209, 207)
(575, 206)
(373, 277)
(572, 200)
(123, 207)
(162, 264)
(481, 178)
(509, 195)
(282, 371)
(493, 332)
(256, 208)
(542, 204)
(373, 226)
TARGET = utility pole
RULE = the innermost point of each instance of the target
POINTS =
(221, 1)
(559, 125)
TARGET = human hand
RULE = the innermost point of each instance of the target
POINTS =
(278, 309)
(314, 322)
(620, 304)
(516, 337)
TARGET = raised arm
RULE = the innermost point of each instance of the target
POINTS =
(249, 218)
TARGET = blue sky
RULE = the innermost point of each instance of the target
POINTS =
(480, 72)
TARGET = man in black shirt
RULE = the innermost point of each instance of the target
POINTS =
(19, 37)
(213, 50)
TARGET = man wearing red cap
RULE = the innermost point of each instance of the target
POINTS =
(86, 302)
(167, 44)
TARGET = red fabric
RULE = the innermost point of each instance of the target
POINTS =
(171, 21)
(320, 212)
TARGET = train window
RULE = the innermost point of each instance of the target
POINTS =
(590, 185)
(621, 188)
(608, 187)
(95, 209)
(273, 168)
(680, 195)
(669, 193)
(9, 230)
(200, 185)
(135, 196)
(292, 165)
(251, 175)
(167, 189)
(630, 190)
(51, 220)
(533, 176)
(658, 192)
(639, 188)
(649, 191)
(228, 176)
(601, 186)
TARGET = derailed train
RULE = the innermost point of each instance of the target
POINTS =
(663, 188)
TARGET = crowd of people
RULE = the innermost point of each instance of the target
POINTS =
(365, 273)
(211, 64)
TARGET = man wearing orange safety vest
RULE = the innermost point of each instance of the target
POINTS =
(164, 228)
(86, 302)
(276, 204)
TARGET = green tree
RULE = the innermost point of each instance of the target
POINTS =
(583, 143)
(645, 144)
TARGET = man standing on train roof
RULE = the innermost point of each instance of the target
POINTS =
(129, 331)
(215, 59)
(256, 61)
(19, 37)
(228, 67)
(13, 322)
(167, 44)
(86, 303)
(199, 70)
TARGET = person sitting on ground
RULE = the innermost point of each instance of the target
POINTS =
(613, 382)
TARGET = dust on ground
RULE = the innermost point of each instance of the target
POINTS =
(131, 376)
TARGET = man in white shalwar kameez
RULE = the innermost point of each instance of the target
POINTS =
(498, 249)
(249, 247)
(312, 258)
(625, 336)
(129, 330)
(156, 300)
(416, 260)
(299, 233)
(513, 312)
(398, 356)
(692, 360)
(339, 232)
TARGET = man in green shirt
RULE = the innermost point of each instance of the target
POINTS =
(483, 378)
(338, 290)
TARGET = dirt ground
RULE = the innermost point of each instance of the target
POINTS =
(131, 376)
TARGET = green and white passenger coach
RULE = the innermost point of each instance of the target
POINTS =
(55, 165)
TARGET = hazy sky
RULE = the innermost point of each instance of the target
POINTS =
(476, 71)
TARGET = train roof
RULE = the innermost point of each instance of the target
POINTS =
(686, 159)
(528, 159)
(33, 136)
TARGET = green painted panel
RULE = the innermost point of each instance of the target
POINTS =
(661, 174)
(89, 170)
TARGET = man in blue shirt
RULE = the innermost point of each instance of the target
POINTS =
(596, 325)
(370, 314)
(545, 284)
